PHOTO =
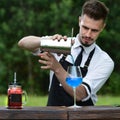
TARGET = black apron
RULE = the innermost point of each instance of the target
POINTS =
(58, 96)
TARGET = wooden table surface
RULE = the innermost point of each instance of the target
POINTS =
(62, 113)
(95, 113)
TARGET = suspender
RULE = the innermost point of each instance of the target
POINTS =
(89, 58)
(85, 68)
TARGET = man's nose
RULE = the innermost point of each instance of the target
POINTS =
(88, 34)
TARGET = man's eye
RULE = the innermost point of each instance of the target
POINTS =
(94, 30)
(85, 27)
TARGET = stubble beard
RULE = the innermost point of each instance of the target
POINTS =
(86, 44)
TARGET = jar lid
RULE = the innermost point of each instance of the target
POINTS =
(15, 84)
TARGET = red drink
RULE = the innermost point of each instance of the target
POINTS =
(15, 97)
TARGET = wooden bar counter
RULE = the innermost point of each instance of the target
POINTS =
(62, 113)
(95, 113)
(42, 113)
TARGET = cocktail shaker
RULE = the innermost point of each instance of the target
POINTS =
(57, 46)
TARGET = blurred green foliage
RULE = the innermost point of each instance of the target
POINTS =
(19, 18)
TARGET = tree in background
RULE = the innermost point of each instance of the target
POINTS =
(20, 18)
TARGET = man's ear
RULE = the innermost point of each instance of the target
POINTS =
(103, 27)
(79, 20)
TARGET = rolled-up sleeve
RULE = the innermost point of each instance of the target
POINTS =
(97, 75)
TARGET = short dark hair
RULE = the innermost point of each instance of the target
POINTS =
(95, 9)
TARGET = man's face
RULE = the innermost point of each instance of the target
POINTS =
(89, 30)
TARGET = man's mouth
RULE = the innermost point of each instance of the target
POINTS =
(87, 39)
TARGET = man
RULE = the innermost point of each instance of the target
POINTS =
(96, 64)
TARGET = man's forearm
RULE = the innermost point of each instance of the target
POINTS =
(80, 91)
(30, 43)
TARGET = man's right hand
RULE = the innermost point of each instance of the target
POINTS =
(58, 37)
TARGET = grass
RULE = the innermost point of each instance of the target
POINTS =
(34, 100)
(108, 100)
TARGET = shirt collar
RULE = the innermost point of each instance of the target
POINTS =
(86, 49)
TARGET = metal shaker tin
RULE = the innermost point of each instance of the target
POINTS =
(55, 46)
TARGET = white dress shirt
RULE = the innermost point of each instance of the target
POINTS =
(99, 70)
